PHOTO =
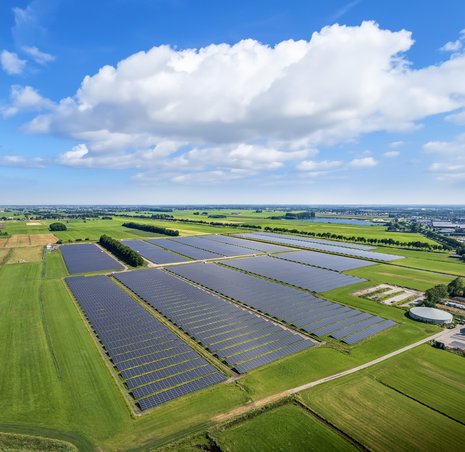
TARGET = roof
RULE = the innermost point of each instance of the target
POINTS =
(431, 313)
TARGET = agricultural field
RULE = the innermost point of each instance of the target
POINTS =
(59, 376)
(284, 428)
(413, 402)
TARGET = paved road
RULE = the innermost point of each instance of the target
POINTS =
(275, 397)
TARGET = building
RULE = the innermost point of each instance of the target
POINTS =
(430, 315)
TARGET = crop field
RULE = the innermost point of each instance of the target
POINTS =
(288, 427)
(388, 408)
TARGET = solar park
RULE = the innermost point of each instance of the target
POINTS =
(293, 306)
(321, 245)
(87, 258)
(244, 340)
(154, 363)
(238, 310)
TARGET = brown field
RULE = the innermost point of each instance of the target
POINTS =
(34, 223)
(24, 254)
(18, 240)
(3, 254)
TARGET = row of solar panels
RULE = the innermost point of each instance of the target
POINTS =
(155, 364)
(241, 338)
(320, 245)
(88, 258)
(285, 303)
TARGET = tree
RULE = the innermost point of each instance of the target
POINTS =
(435, 295)
(57, 227)
(456, 287)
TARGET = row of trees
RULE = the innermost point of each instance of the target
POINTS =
(372, 241)
(217, 223)
(121, 251)
(151, 228)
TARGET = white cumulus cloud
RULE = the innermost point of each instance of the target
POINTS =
(11, 63)
(37, 55)
(25, 98)
(363, 162)
(252, 105)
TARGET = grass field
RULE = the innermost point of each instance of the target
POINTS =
(383, 418)
(14, 442)
(285, 428)
(401, 276)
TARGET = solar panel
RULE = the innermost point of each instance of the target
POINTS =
(321, 245)
(154, 254)
(311, 278)
(249, 244)
(183, 249)
(356, 327)
(327, 261)
(288, 304)
(158, 288)
(117, 318)
(369, 332)
(88, 258)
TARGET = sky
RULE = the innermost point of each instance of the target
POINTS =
(221, 102)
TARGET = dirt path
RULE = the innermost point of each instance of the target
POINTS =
(276, 397)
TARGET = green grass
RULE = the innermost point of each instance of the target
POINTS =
(382, 418)
(400, 276)
(55, 265)
(285, 428)
(14, 442)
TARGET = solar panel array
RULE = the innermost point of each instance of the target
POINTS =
(200, 243)
(154, 253)
(355, 246)
(251, 245)
(311, 278)
(338, 248)
(328, 261)
(185, 250)
(289, 304)
(244, 340)
(156, 365)
(87, 258)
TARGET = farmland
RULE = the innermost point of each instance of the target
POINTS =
(60, 386)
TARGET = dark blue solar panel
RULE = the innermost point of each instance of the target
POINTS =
(311, 278)
(159, 288)
(321, 245)
(153, 253)
(116, 317)
(328, 261)
(249, 244)
(369, 332)
(185, 250)
(289, 304)
(87, 258)
(356, 327)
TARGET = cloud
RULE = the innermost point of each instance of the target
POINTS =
(38, 56)
(250, 105)
(454, 46)
(457, 118)
(361, 163)
(451, 167)
(22, 162)
(346, 8)
(391, 154)
(311, 165)
(25, 98)
(11, 63)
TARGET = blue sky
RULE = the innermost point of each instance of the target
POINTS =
(176, 101)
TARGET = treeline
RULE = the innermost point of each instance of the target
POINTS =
(217, 223)
(448, 243)
(121, 251)
(151, 228)
(57, 227)
(371, 241)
